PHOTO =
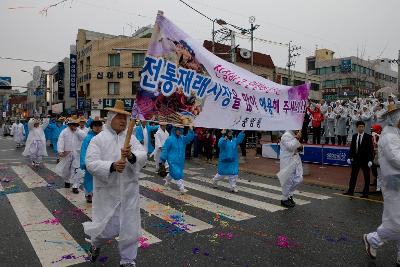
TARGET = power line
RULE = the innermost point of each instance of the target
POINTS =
(28, 60)
(204, 15)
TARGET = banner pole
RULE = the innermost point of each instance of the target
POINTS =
(128, 136)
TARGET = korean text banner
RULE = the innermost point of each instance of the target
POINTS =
(182, 82)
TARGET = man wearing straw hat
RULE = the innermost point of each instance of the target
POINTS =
(96, 126)
(69, 146)
(389, 160)
(173, 152)
(114, 157)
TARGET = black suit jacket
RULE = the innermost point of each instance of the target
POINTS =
(365, 151)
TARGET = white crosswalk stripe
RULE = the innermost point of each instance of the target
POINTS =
(234, 197)
(80, 202)
(250, 190)
(172, 216)
(153, 169)
(198, 202)
(29, 176)
(278, 188)
(48, 237)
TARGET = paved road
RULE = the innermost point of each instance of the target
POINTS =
(41, 222)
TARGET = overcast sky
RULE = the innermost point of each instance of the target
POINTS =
(370, 27)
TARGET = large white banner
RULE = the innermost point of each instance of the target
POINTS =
(182, 82)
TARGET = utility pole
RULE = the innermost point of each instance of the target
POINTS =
(291, 62)
(233, 47)
(253, 27)
(220, 22)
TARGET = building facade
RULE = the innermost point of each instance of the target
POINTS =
(348, 77)
(108, 68)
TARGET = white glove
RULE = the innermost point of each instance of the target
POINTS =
(349, 161)
(369, 164)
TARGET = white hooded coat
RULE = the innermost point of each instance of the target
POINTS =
(18, 132)
(330, 124)
(341, 121)
(289, 155)
(70, 142)
(115, 195)
(366, 117)
(36, 133)
(389, 160)
(160, 138)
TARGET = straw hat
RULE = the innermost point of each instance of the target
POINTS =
(391, 108)
(162, 123)
(118, 108)
(97, 119)
(181, 126)
(81, 119)
(73, 120)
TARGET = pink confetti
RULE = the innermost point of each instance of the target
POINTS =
(283, 242)
(143, 242)
(58, 212)
(54, 221)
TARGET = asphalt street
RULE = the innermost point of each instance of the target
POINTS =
(41, 222)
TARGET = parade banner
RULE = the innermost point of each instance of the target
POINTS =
(182, 82)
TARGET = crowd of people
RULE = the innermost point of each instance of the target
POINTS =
(336, 121)
(107, 160)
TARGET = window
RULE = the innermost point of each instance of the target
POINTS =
(333, 68)
(285, 81)
(114, 60)
(88, 89)
(81, 66)
(113, 88)
(135, 87)
(138, 60)
(87, 64)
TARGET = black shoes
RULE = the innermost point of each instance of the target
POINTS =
(287, 203)
(93, 253)
(67, 185)
(75, 190)
(292, 201)
(88, 198)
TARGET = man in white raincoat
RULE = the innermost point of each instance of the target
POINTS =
(341, 127)
(116, 210)
(329, 126)
(68, 147)
(35, 146)
(366, 117)
(18, 132)
(160, 137)
(290, 162)
(389, 160)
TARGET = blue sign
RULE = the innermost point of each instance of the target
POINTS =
(5, 82)
(81, 103)
(72, 75)
(345, 65)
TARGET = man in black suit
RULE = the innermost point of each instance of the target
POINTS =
(360, 157)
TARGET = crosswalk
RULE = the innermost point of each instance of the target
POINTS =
(44, 230)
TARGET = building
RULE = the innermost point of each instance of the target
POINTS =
(108, 68)
(348, 77)
(298, 78)
(18, 105)
(263, 64)
(58, 98)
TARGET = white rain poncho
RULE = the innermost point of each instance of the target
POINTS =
(116, 210)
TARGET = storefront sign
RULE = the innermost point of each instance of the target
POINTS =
(117, 75)
(72, 75)
(110, 102)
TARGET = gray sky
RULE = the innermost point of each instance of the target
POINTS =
(345, 26)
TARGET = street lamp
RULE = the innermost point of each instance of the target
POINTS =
(220, 22)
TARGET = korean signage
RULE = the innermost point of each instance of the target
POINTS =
(96, 103)
(81, 103)
(115, 75)
(72, 75)
(345, 65)
(110, 102)
(205, 90)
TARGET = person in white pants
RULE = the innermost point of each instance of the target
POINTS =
(289, 158)
(160, 137)
(69, 146)
(228, 160)
(389, 160)
(18, 133)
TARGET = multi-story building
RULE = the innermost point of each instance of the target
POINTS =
(108, 69)
(58, 97)
(348, 77)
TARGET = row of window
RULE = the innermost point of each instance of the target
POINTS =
(114, 60)
(358, 69)
(347, 82)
